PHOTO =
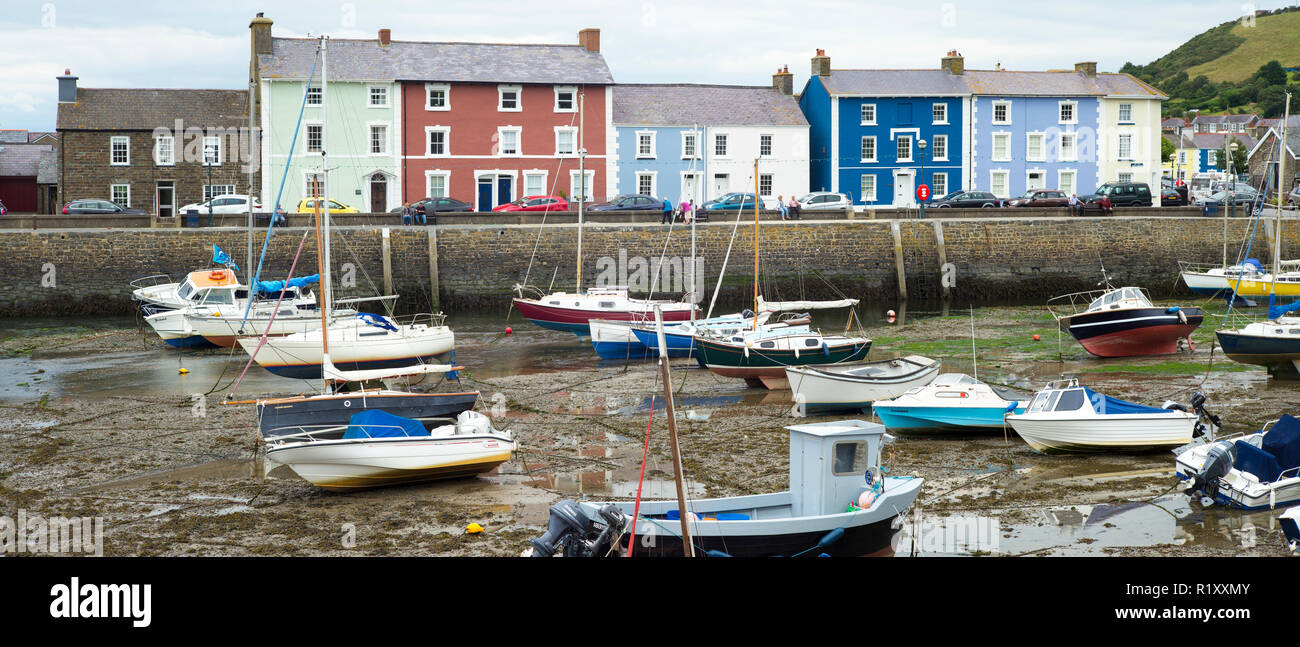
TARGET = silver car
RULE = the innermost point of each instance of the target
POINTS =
(824, 201)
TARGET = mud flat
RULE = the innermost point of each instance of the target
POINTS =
(96, 421)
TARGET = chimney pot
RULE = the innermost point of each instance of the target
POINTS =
(783, 80)
(821, 64)
(385, 36)
(589, 39)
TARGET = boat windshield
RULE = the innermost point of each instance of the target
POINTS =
(186, 290)
(953, 379)
(1071, 400)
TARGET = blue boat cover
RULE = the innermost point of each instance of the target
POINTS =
(1258, 266)
(373, 423)
(376, 321)
(1283, 442)
(1107, 406)
(1275, 311)
(271, 287)
(1256, 461)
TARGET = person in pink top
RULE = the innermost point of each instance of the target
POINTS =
(794, 208)
(686, 209)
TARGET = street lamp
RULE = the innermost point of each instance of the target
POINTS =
(920, 152)
(1231, 150)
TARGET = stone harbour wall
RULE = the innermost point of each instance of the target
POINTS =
(1005, 260)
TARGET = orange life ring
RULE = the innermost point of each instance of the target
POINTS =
(217, 275)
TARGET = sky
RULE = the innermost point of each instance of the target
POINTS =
(199, 44)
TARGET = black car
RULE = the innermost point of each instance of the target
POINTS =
(1170, 197)
(1121, 194)
(639, 202)
(99, 206)
(967, 200)
(429, 206)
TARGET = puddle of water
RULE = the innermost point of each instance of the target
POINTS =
(218, 470)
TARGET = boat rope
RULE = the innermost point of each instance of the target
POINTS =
(645, 457)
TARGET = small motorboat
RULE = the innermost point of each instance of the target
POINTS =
(377, 448)
(276, 415)
(1067, 418)
(573, 312)
(951, 402)
(856, 386)
(1122, 322)
(1249, 472)
(216, 304)
(839, 504)
(1217, 280)
(679, 338)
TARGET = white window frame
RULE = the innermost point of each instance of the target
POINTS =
(1074, 147)
(934, 148)
(306, 137)
(654, 182)
(566, 129)
(446, 183)
(726, 145)
(157, 149)
(771, 146)
(1074, 112)
(911, 148)
(863, 117)
(573, 184)
(1005, 156)
(573, 89)
(1120, 141)
(934, 189)
(370, 138)
(863, 192)
(1041, 156)
(1119, 176)
(1182, 157)
(446, 97)
(1120, 111)
(112, 150)
(319, 94)
(307, 175)
(534, 173)
(216, 144)
(875, 152)
(943, 121)
(1212, 157)
(519, 98)
(653, 145)
(771, 181)
(501, 138)
(209, 191)
(694, 137)
(994, 113)
(370, 95)
(1074, 181)
(1006, 182)
(112, 187)
(446, 141)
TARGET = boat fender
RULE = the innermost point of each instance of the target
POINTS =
(866, 499)
(826, 350)
(830, 538)
(796, 352)
(746, 350)
(715, 553)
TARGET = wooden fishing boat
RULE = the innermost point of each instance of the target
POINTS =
(856, 386)
(573, 312)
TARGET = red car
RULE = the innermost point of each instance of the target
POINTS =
(536, 203)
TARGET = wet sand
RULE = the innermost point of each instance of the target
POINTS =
(96, 421)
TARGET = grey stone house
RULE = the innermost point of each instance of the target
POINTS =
(153, 149)
(1263, 158)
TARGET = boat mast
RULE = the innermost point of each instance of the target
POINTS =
(756, 199)
(1281, 188)
(582, 186)
(323, 203)
(688, 547)
(252, 143)
(695, 295)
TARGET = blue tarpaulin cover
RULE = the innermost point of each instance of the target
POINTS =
(271, 287)
(1275, 311)
(373, 423)
(376, 320)
(1283, 441)
(1106, 405)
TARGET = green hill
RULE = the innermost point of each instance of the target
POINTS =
(1232, 67)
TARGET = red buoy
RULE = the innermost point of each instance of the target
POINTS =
(1035, 337)
(509, 330)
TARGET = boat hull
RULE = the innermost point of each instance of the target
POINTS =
(349, 465)
(931, 419)
(1258, 349)
(299, 356)
(1133, 332)
(338, 409)
(678, 345)
(768, 367)
(1120, 433)
(575, 320)
(822, 391)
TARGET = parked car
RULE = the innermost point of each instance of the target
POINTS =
(536, 203)
(639, 202)
(308, 205)
(228, 203)
(86, 205)
(967, 199)
(823, 201)
(1040, 198)
(1170, 197)
(1241, 196)
(734, 201)
(439, 205)
(1292, 198)
(1120, 194)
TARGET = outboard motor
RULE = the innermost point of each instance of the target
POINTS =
(1218, 461)
(1198, 404)
(574, 534)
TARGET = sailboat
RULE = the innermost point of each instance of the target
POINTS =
(1274, 343)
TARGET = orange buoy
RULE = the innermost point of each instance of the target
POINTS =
(1035, 337)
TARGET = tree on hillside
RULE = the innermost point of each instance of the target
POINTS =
(1271, 73)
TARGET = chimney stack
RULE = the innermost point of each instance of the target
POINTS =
(589, 39)
(385, 36)
(1089, 68)
(783, 80)
(821, 64)
(67, 87)
(261, 35)
(953, 63)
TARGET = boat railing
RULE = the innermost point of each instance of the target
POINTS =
(153, 280)
(532, 292)
(430, 319)
(315, 433)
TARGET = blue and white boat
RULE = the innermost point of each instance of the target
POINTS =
(952, 402)
(1067, 418)
(1249, 472)
(680, 338)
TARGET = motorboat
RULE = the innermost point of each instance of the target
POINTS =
(1249, 472)
(377, 449)
(856, 386)
(217, 303)
(635, 340)
(951, 402)
(1064, 417)
(1290, 522)
(1273, 343)
(839, 503)
(1122, 322)
(275, 415)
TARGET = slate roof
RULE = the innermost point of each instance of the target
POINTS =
(146, 109)
(1173, 122)
(1222, 119)
(985, 82)
(367, 60)
(37, 134)
(1215, 140)
(706, 105)
(22, 160)
(11, 136)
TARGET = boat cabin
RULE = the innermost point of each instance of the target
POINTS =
(829, 462)
(1120, 298)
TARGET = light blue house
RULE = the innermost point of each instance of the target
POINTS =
(1023, 142)
(696, 142)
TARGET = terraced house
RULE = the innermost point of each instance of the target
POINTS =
(995, 130)
(697, 142)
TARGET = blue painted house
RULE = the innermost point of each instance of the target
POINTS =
(1203, 152)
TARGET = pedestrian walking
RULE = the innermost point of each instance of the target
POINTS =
(668, 212)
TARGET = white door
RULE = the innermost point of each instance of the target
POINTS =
(1035, 180)
(721, 184)
(689, 187)
(903, 190)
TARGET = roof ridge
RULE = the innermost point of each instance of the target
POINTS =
(697, 85)
(426, 42)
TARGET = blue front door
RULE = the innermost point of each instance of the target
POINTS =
(485, 194)
(504, 186)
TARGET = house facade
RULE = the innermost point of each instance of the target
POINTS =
(1263, 158)
(1204, 153)
(697, 142)
(28, 181)
(153, 149)
(1222, 124)
(1033, 142)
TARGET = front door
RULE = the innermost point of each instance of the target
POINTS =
(378, 193)
(505, 189)
(689, 184)
(1035, 180)
(166, 199)
(721, 184)
(903, 189)
(485, 193)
